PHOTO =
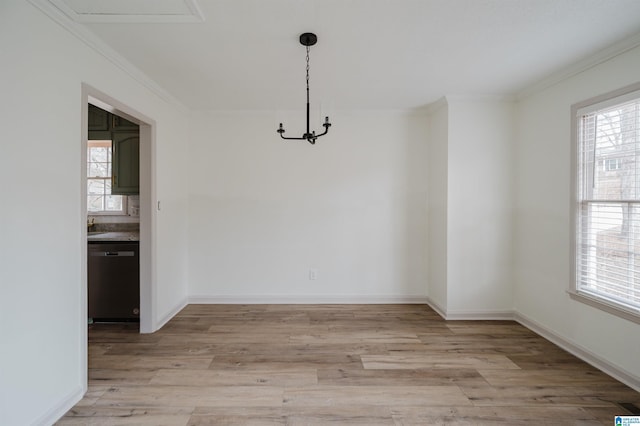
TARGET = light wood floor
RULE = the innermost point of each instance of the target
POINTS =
(338, 364)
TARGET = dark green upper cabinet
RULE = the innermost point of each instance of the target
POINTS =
(119, 124)
(126, 160)
(99, 119)
(125, 137)
(102, 124)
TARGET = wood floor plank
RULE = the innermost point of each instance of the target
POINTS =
(254, 377)
(184, 349)
(478, 343)
(128, 362)
(606, 414)
(120, 416)
(285, 361)
(399, 377)
(386, 337)
(480, 416)
(552, 359)
(358, 396)
(548, 377)
(317, 416)
(190, 396)
(429, 361)
(230, 416)
(116, 376)
(568, 396)
(302, 416)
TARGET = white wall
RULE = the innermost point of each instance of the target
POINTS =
(437, 204)
(542, 217)
(479, 207)
(171, 233)
(43, 350)
(470, 207)
(263, 211)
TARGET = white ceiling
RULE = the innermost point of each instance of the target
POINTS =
(371, 54)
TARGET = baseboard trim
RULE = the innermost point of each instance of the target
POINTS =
(436, 307)
(306, 300)
(580, 352)
(469, 315)
(65, 404)
(479, 316)
(172, 313)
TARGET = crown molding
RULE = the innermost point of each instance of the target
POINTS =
(195, 15)
(446, 100)
(100, 47)
(436, 105)
(576, 68)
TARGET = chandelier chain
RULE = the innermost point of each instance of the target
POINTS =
(307, 67)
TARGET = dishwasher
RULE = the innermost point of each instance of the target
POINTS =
(114, 281)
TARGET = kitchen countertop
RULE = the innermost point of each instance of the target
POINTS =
(113, 236)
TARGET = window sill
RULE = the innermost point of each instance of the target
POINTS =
(120, 213)
(633, 316)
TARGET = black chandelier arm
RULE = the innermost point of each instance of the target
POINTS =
(326, 130)
(326, 126)
(293, 139)
(309, 136)
(281, 131)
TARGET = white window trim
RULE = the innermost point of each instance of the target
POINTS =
(611, 98)
(121, 213)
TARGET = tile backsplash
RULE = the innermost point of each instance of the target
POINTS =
(132, 217)
(133, 205)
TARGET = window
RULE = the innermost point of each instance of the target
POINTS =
(99, 198)
(611, 164)
(607, 208)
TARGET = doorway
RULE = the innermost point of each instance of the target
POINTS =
(147, 212)
(93, 96)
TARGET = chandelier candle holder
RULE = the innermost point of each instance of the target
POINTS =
(308, 40)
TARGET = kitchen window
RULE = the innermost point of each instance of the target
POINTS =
(99, 174)
(606, 211)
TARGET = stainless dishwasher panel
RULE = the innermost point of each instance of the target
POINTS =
(114, 280)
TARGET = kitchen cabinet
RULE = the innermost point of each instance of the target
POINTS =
(119, 124)
(104, 121)
(99, 119)
(126, 160)
(125, 147)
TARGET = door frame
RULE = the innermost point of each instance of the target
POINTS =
(147, 208)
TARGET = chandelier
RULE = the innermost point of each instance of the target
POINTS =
(308, 40)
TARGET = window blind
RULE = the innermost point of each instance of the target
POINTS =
(608, 234)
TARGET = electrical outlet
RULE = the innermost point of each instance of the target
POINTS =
(313, 274)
